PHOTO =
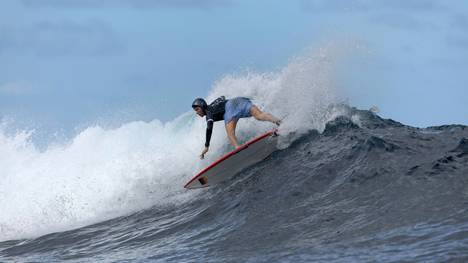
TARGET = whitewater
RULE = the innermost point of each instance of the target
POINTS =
(345, 185)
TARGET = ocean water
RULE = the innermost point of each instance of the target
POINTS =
(344, 186)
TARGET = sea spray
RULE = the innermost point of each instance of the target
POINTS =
(102, 173)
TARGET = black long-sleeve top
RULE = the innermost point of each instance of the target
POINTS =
(214, 112)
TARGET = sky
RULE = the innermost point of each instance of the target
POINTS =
(66, 64)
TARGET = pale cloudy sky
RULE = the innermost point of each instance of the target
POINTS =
(65, 63)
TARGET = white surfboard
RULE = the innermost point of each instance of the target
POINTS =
(233, 162)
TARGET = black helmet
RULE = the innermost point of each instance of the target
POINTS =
(199, 102)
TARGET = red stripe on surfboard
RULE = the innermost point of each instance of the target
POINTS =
(229, 154)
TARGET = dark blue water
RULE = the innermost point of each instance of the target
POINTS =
(379, 191)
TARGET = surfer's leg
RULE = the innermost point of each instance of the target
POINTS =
(263, 116)
(231, 132)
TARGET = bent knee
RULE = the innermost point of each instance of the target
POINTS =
(255, 112)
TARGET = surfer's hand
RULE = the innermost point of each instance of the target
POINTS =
(202, 155)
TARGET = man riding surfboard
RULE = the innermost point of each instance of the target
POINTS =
(230, 111)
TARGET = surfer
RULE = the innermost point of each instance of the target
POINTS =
(230, 111)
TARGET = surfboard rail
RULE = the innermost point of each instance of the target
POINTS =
(227, 155)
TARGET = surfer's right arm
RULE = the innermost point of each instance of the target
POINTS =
(209, 131)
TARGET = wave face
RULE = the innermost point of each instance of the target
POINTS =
(362, 189)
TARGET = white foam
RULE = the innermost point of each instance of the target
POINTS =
(98, 175)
